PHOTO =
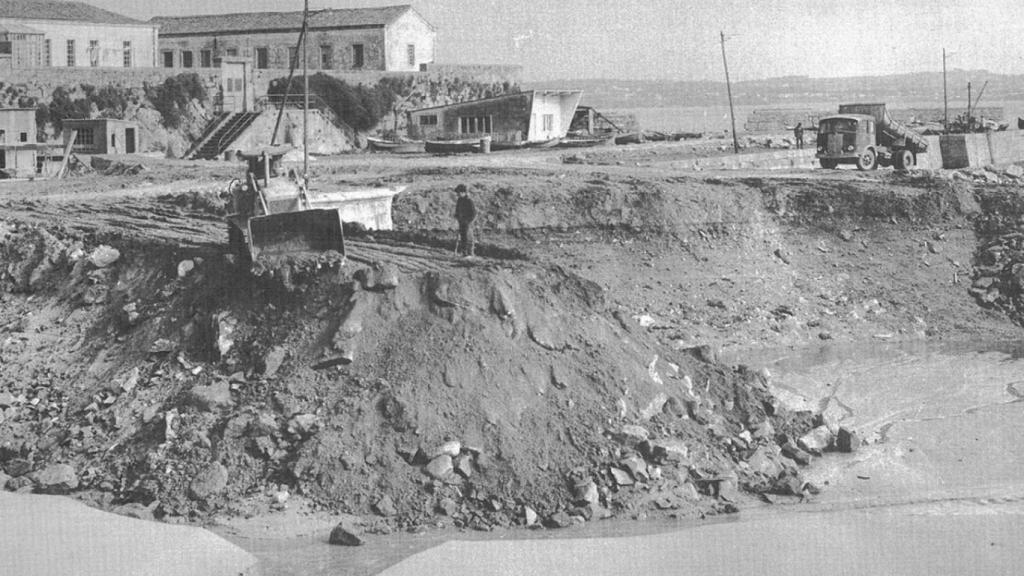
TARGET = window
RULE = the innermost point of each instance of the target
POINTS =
(428, 120)
(326, 57)
(23, 137)
(71, 53)
(549, 122)
(3, 136)
(126, 49)
(410, 50)
(358, 59)
(85, 137)
(232, 52)
(206, 58)
(475, 124)
(48, 52)
(6, 47)
(186, 58)
(262, 58)
(94, 53)
(168, 59)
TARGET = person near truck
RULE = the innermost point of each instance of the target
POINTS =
(465, 214)
(798, 133)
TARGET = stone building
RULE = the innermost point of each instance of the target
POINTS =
(392, 38)
(531, 116)
(43, 33)
(18, 145)
(104, 136)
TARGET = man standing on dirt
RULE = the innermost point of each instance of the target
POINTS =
(465, 213)
(798, 132)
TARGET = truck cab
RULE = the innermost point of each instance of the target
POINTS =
(847, 139)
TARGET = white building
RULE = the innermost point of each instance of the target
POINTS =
(74, 35)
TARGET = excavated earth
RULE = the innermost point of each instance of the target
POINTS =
(568, 373)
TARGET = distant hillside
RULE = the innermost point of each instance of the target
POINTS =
(917, 88)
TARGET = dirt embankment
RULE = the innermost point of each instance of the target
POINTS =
(575, 381)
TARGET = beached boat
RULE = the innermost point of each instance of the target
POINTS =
(452, 146)
(409, 147)
(585, 142)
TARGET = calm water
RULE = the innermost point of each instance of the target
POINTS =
(716, 118)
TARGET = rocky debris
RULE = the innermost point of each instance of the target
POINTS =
(816, 441)
(185, 267)
(273, 360)
(385, 506)
(4, 478)
(794, 453)
(529, 516)
(56, 479)
(210, 481)
(665, 450)
(216, 396)
(440, 467)
(345, 534)
(560, 519)
(104, 256)
(303, 425)
(378, 277)
(846, 440)
(631, 434)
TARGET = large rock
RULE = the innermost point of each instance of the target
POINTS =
(378, 277)
(631, 434)
(440, 467)
(765, 463)
(665, 450)
(847, 440)
(104, 256)
(385, 506)
(816, 441)
(211, 398)
(345, 534)
(793, 452)
(273, 360)
(57, 479)
(211, 481)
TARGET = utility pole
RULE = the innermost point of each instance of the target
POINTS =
(945, 96)
(728, 88)
(305, 96)
(968, 106)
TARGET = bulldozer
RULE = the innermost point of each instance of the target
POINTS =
(272, 217)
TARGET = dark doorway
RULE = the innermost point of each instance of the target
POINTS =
(129, 140)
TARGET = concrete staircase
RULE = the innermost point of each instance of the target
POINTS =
(221, 135)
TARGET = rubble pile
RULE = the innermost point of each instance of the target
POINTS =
(177, 386)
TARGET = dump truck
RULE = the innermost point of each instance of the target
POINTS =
(271, 214)
(866, 135)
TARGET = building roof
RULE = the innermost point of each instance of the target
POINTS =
(519, 94)
(54, 10)
(270, 21)
(14, 28)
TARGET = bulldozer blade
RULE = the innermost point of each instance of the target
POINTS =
(306, 232)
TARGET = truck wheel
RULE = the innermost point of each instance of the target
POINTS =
(238, 246)
(904, 160)
(867, 160)
(828, 164)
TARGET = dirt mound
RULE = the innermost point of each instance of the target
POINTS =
(487, 393)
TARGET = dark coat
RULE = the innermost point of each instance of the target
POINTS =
(465, 210)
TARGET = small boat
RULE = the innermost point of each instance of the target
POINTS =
(410, 147)
(634, 138)
(585, 142)
(452, 146)
(544, 144)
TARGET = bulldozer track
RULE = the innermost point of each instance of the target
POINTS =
(406, 258)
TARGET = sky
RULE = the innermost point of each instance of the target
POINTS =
(679, 39)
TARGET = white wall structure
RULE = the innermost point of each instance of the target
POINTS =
(78, 35)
